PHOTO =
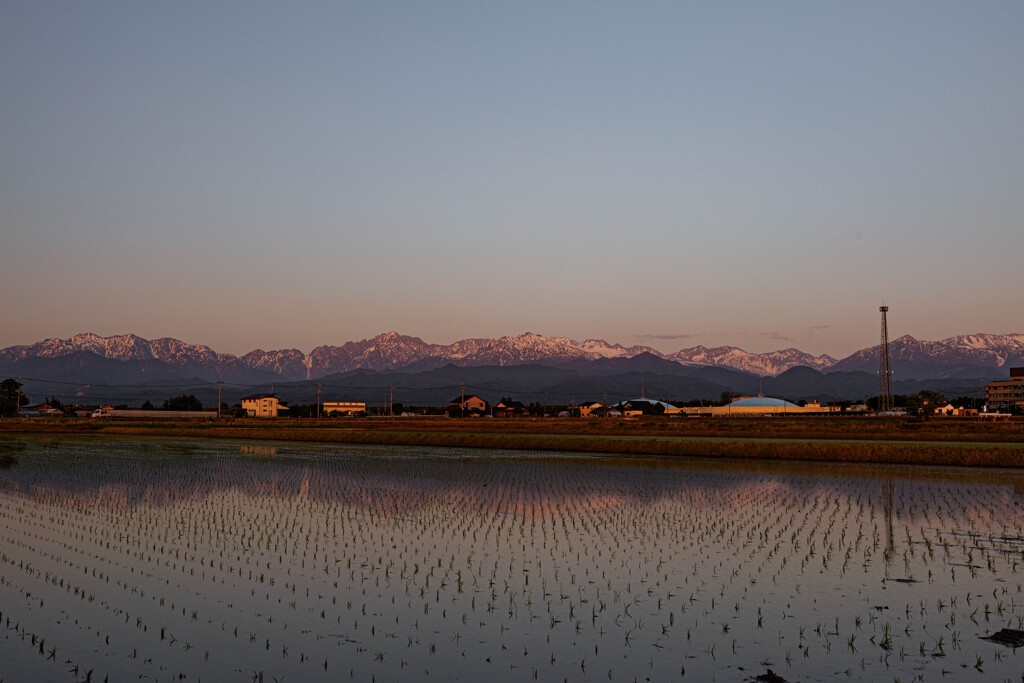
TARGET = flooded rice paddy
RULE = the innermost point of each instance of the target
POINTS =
(180, 560)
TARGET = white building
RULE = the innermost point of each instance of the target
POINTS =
(262, 405)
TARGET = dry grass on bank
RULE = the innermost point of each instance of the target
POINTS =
(837, 440)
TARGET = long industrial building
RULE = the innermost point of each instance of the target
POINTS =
(344, 407)
(754, 406)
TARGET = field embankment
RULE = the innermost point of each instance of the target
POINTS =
(937, 442)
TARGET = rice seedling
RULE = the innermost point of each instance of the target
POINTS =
(156, 553)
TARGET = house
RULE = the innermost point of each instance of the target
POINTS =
(469, 405)
(646, 406)
(591, 409)
(44, 409)
(950, 410)
(509, 408)
(262, 405)
(630, 410)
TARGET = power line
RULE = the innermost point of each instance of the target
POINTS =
(97, 391)
(122, 386)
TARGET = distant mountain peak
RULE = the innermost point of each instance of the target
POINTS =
(394, 351)
(771, 363)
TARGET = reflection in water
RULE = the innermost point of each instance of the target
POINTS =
(183, 558)
(258, 449)
(9, 452)
(890, 543)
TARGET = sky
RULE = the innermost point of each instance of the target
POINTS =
(285, 175)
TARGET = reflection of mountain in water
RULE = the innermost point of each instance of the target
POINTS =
(9, 452)
(407, 483)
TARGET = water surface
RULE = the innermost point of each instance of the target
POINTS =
(164, 559)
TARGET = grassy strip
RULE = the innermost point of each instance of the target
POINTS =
(637, 438)
(821, 451)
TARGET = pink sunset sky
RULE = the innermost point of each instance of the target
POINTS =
(249, 175)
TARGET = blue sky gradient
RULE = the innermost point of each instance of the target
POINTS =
(284, 175)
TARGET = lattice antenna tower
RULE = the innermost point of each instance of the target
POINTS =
(885, 399)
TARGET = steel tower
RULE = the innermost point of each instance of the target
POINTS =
(885, 400)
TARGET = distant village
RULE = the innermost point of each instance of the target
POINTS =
(473, 406)
(1002, 398)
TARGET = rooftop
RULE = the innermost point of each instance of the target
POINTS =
(761, 402)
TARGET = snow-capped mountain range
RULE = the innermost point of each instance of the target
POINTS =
(392, 351)
(942, 358)
(764, 364)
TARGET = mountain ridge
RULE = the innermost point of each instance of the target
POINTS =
(959, 356)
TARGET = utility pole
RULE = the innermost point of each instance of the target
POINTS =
(219, 382)
(17, 401)
(319, 386)
(462, 406)
(391, 402)
(604, 403)
(545, 405)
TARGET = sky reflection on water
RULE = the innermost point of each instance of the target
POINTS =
(220, 560)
